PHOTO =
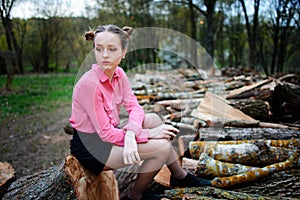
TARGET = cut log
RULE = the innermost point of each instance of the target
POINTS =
(7, 176)
(59, 183)
(285, 104)
(87, 185)
(126, 178)
(237, 93)
(255, 108)
(245, 152)
(190, 102)
(47, 184)
(210, 193)
(284, 184)
(225, 182)
(248, 134)
(210, 168)
(215, 108)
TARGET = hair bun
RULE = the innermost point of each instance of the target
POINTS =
(89, 36)
(128, 30)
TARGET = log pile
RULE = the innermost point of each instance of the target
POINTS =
(256, 120)
(241, 131)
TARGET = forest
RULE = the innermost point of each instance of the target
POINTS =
(256, 34)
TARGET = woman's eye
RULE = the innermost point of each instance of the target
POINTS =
(113, 49)
(98, 49)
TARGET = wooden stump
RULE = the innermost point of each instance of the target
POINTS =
(87, 185)
(59, 182)
(7, 176)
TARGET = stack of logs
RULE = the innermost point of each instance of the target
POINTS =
(240, 131)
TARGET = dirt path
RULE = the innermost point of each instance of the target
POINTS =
(36, 142)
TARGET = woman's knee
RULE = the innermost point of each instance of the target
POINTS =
(152, 120)
(162, 147)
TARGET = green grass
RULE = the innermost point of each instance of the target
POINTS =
(35, 93)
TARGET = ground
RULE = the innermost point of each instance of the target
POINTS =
(35, 142)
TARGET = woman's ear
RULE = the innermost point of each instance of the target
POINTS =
(124, 53)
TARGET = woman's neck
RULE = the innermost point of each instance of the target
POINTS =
(109, 73)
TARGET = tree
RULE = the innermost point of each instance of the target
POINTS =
(210, 21)
(252, 31)
(285, 32)
(52, 34)
(12, 43)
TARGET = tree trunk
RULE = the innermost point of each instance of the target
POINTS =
(69, 180)
(210, 11)
(47, 184)
(252, 33)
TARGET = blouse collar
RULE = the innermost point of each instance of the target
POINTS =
(102, 76)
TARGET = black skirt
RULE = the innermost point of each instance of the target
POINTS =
(90, 150)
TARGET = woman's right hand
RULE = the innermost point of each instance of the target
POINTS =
(163, 131)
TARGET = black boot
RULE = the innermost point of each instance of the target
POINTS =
(146, 196)
(189, 181)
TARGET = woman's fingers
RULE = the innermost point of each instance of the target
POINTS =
(171, 128)
(170, 133)
(137, 156)
(131, 158)
(163, 131)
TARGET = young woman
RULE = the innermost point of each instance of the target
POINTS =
(99, 142)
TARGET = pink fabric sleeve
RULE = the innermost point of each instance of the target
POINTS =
(95, 110)
(136, 112)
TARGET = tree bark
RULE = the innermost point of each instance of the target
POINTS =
(246, 152)
(69, 180)
(255, 108)
(210, 12)
(210, 193)
(252, 33)
(47, 184)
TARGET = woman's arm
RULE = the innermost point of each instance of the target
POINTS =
(91, 100)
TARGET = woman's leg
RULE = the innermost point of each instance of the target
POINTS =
(152, 120)
(154, 154)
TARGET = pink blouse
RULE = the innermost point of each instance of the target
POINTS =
(97, 102)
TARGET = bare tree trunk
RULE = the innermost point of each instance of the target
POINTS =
(210, 5)
(252, 33)
(12, 43)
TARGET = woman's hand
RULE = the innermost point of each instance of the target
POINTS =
(130, 153)
(163, 131)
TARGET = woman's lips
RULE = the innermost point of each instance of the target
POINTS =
(106, 62)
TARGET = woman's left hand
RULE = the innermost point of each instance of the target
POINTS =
(130, 153)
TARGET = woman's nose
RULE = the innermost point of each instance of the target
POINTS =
(105, 53)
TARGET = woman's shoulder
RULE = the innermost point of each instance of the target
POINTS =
(120, 72)
(88, 78)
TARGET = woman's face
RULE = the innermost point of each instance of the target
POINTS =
(108, 50)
